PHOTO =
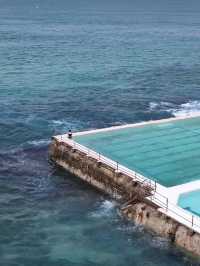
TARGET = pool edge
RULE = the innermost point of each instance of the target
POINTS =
(140, 124)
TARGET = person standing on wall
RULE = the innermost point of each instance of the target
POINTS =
(70, 134)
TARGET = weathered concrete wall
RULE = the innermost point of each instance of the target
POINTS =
(149, 216)
(98, 174)
(188, 239)
(131, 193)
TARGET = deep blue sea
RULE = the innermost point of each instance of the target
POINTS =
(84, 65)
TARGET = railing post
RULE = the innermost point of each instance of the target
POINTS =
(117, 166)
(155, 185)
(167, 203)
(99, 156)
(192, 220)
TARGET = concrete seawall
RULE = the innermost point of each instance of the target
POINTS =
(131, 193)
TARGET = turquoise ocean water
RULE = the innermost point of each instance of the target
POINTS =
(84, 65)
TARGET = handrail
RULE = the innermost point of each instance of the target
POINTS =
(191, 220)
(113, 164)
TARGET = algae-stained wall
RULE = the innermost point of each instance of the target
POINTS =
(149, 216)
(96, 173)
(137, 208)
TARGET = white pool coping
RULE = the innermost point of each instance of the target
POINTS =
(176, 191)
(140, 124)
(165, 197)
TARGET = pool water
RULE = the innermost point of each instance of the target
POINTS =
(166, 152)
(190, 201)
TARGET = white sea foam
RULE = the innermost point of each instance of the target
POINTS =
(64, 125)
(153, 106)
(189, 108)
(160, 106)
(185, 109)
(63, 122)
(41, 142)
(58, 122)
(105, 209)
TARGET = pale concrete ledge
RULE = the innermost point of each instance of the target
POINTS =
(140, 124)
(176, 191)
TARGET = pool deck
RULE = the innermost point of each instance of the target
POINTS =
(176, 191)
(165, 198)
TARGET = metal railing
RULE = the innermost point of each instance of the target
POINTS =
(175, 212)
(113, 164)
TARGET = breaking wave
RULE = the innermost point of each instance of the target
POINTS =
(185, 109)
(105, 209)
(161, 106)
(190, 108)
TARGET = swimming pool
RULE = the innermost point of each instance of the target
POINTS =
(190, 201)
(167, 152)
